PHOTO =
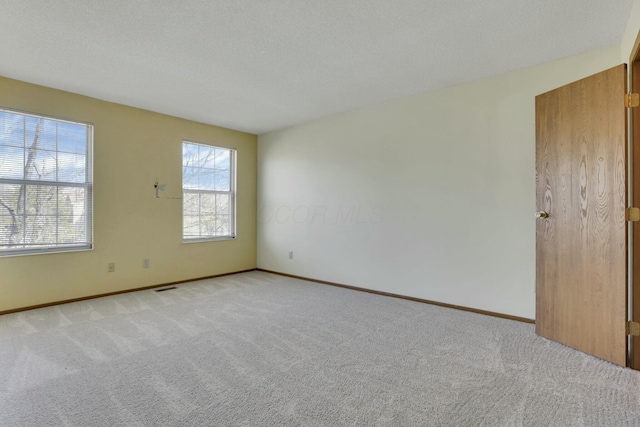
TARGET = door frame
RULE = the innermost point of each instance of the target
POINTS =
(633, 195)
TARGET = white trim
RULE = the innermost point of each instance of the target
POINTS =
(18, 249)
(231, 193)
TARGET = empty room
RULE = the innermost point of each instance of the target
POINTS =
(319, 213)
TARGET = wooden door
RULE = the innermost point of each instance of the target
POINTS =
(581, 247)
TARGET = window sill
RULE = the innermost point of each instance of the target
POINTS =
(27, 252)
(208, 239)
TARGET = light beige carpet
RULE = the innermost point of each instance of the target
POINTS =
(256, 349)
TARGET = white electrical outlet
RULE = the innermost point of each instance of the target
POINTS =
(145, 263)
(290, 254)
(111, 267)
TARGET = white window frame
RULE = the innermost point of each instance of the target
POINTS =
(232, 194)
(36, 249)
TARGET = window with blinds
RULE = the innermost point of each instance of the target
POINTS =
(46, 190)
(208, 192)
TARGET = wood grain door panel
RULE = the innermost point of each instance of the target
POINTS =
(581, 248)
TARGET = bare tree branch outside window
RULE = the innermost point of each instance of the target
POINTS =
(45, 183)
(208, 192)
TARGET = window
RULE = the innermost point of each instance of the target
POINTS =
(46, 191)
(208, 192)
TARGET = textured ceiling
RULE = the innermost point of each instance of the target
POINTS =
(261, 65)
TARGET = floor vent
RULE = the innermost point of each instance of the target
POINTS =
(166, 289)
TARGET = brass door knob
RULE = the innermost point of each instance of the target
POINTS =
(541, 215)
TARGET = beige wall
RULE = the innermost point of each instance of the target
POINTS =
(631, 33)
(431, 196)
(132, 147)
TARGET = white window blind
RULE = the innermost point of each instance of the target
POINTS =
(208, 192)
(46, 190)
